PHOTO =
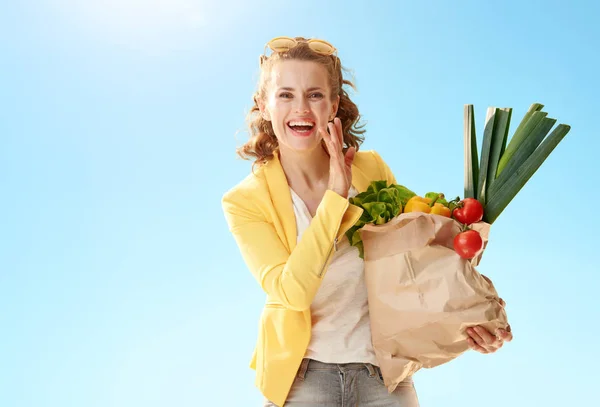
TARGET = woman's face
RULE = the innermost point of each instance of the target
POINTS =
(298, 102)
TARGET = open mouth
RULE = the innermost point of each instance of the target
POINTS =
(302, 127)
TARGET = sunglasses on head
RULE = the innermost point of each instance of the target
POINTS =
(284, 44)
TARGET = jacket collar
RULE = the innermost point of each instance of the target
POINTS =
(282, 198)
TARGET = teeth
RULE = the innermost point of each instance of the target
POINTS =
(295, 123)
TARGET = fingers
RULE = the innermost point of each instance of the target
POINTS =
(349, 157)
(476, 337)
(334, 137)
(475, 346)
(505, 334)
(335, 134)
(339, 131)
(335, 128)
(486, 335)
(332, 140)
(329, 142)
(482, 339)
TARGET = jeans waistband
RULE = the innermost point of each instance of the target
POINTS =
(311, 364)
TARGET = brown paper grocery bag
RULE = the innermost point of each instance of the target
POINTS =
(422, 295)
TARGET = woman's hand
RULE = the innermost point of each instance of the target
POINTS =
(484, 341)
(340, 164)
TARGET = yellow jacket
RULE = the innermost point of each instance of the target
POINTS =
(260, 216)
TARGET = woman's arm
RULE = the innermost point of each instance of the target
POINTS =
(291, 279)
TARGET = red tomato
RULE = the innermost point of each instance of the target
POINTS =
(470, 212)
(468, 243)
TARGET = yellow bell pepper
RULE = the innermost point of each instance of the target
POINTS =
(418, 204)
(440, 209)
(427, 205)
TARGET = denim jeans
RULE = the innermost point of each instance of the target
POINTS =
(345, 385)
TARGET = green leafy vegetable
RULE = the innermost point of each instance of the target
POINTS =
(437, 197)
(380, 203)
(505, 169)
(471, 154)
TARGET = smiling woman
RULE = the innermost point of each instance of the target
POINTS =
(289, 219)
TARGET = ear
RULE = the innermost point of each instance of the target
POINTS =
(335, 107)
(263, 110)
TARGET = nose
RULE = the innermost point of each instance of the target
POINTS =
(301, 105)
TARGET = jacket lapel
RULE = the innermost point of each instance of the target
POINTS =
(282, 200)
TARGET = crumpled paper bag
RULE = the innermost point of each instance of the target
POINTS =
(422, 295)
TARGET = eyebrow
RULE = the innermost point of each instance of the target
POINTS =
(308, 90)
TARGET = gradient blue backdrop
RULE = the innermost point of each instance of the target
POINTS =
(120, 285)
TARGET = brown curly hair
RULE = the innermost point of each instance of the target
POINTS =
(263, 143)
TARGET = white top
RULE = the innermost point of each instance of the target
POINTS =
(341, 332)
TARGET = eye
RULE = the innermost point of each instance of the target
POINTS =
(285, 95)
(316, 95)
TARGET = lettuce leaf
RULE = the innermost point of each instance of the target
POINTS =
(380, 203)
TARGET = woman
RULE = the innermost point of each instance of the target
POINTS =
(289, 218)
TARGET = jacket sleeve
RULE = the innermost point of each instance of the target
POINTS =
(290, 279)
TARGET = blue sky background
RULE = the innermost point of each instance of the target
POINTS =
(120, 285)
